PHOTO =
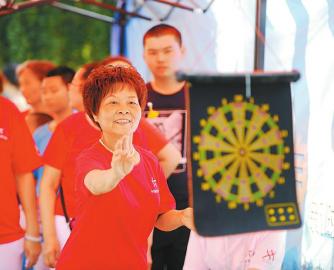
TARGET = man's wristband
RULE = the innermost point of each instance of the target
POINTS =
(36, 239)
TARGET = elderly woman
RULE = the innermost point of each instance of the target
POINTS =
(121, 190)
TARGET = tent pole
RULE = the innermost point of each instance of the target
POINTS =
(118, 31)
(260, 34)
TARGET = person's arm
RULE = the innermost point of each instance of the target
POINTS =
(26, 191)
(174, 219)
(125, 157)
(167, 154)
(101, 181)
(169, 157)
(48, 193)
(24, 159)
(148, 254)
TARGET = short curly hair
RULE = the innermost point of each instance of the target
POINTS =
(103, 81)
(109, 60)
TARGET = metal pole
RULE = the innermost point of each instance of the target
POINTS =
(122, 25)
(83, 12)
(260, 31)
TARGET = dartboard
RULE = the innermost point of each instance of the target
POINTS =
(240, 153)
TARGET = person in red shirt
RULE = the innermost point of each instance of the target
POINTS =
(55, 89)
(72, 136)
(76, 85)
(18, 158)
(122, 192)
(82, 74)
(30, 75)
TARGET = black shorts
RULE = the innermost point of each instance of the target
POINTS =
(169, 249)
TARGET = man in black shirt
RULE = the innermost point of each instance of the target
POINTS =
(163, 54)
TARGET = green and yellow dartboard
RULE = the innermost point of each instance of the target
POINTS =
(241, 156)
(241, 153)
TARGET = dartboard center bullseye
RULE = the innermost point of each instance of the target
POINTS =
(242, 152)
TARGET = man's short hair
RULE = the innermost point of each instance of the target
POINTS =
(64, 72)
(9, 72)
(162, 30)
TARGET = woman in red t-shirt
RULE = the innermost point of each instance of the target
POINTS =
(121, 190)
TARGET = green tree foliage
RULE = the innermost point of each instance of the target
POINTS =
(48, 33)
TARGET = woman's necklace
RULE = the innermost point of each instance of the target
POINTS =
(106, 147)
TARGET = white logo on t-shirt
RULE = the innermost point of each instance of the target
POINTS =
(155, 188)
(2, 134)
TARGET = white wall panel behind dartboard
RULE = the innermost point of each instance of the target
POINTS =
(304, 41)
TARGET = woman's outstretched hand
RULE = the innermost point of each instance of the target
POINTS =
(125, 157)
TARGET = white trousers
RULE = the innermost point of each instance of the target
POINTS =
(63, 232)
(62, 229)
(11, 255)
(40, 262)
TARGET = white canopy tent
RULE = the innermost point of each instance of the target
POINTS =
(299, 35)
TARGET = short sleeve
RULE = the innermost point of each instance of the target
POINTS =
(25, 156)
(56, 151)
(155, 139)
(83, 165)
(269, 250)
(167, 201)
(195, 253)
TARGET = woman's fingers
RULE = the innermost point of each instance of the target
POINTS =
(124, 148)
(127, 147)
(118, 147)
(130, 145)
(125, 156)
(130, 148)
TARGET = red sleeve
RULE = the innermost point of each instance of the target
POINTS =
(56, 151)
(85, 164)
(25, 156)
(167, 201)
(155, 139)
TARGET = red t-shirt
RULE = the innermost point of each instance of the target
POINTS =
(17, 155)
(111, 229)
(75, 134)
